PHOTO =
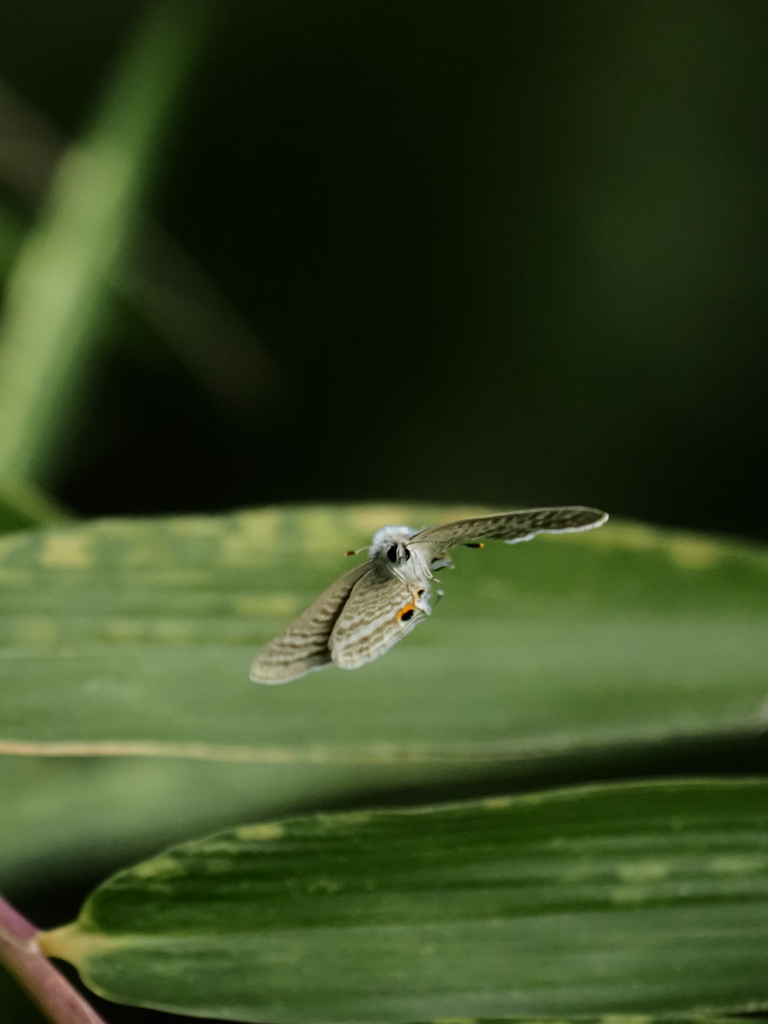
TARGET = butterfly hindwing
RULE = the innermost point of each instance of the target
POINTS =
(511, 527)
(303, 646)
(379, 612)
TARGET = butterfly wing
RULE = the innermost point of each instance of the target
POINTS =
(303, 646)
(381, 609)
(511, 527)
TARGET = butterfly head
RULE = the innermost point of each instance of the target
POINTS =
(389, 544)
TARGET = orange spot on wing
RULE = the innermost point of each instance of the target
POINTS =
(404, 612)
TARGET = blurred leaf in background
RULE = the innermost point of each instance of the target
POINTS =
(58, 289)
(59, 308)
(172, 294)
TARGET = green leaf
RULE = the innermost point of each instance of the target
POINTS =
(637, 898)
(60, 283)
(135, 637)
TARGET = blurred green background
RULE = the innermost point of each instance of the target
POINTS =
(495, 252)
(499, 252)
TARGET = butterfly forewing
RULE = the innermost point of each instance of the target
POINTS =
(372, 619)
(303, 646)
(512, 526)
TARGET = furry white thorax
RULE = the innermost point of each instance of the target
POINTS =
(413, 564)
(389, 535)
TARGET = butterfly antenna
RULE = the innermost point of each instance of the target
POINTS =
(477, 545)
(349, 554)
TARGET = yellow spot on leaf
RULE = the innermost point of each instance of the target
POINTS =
(323, 531)
(159, 868)
(351, 819)
(252, 540)
(684, 550)
(618, 536)
(261, 833)
(497, 803)
(693, 552)
(66, 551)
(643, 871)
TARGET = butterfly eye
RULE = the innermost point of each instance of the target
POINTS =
(405, 613)
(392, 553)
(406, 552)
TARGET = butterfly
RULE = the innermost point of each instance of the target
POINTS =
(377, 603)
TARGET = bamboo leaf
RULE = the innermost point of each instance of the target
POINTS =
(637, 898)
(134, 637)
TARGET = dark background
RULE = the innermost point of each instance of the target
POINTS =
(501, 252)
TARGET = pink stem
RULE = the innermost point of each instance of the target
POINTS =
(52, 993)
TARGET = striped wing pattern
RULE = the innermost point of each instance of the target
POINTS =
(303, 646)
(512, 527)
(369, 624)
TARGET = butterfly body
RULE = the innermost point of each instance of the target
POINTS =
(379, 601)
